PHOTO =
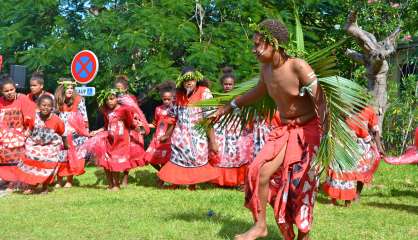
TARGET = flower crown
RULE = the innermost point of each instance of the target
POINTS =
(105, 93)
(192, 75)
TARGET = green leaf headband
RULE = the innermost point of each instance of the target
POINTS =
(291, 50)
(267, 36)
(66, 83)
(192, 75)
(104, 94)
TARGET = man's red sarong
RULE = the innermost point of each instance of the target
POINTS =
(294, 185)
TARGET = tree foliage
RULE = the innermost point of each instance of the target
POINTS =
(150, 40)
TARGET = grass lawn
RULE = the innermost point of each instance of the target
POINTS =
(388, 210)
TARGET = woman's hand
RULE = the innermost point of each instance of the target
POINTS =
(163, 138)
(214, 147)
(222, 110)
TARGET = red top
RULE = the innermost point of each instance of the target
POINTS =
(34, 98)
(161, 115)
(53, 122)
(183, 100)
(120, 113)
(17, 113)
(368, 120)
(73, 107)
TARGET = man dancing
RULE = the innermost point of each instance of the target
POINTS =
(283, 172)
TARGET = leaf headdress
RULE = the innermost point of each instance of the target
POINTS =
(104, 94)
(66, 82)
(191, 75)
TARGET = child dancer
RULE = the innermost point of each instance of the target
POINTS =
(70, 107)
(235, 145)
(121, 84)
(189, 162)
(37, 87)
(349, 184)
(159, 150)
(119, 122)
(16, 113)
(42, 147)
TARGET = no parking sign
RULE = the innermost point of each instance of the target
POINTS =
(84, 66)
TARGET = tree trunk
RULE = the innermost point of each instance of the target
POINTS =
(373, 57)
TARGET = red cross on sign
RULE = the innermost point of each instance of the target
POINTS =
(84, 66)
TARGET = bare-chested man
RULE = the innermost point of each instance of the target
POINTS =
(283, 172)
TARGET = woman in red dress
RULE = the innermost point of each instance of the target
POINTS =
(120, 155)
(189, 161)
(72, 110)
(137, 139)
(235, 145)
(349, 184)
(159, 150)
(42, 147)
(16, 113)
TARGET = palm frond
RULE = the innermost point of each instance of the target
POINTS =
(300, 43)
(343, 97)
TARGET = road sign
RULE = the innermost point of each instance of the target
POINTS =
(86, 91)
(84, 66)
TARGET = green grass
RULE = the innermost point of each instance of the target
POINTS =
(388, 210)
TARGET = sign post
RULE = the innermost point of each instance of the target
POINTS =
(84, 68)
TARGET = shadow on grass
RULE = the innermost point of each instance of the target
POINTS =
(394, 193)
(145, 178)
(322, 198)
(395, 206)
(230, 227)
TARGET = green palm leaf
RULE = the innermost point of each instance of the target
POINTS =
(344, 98)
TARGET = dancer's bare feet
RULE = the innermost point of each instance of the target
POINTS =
(172, 187)
(192, 187)
(115, 189)
(68, 185)
(334, 202)
(255, 232)
(160, 183)
(347, 203)
(28, 191)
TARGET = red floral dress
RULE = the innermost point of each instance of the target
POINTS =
(342, 186)
(15, 117)
(160, 152)
(42, 151)
(189, 161)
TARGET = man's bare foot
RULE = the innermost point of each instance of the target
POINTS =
(192, 187)
(351, 21)
(68, 185)
(254, 233)
(115, 189)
